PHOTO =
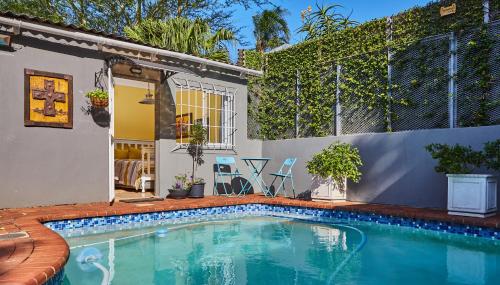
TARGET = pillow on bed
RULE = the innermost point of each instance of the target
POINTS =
(134, 153)
(121, 153)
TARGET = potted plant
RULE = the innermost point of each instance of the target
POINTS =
(468, 194)
(195, 149)
(98, 98)
(492, 155)
(331, 168)
(180, 189)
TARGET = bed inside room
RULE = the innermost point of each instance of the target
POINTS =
(134, 153)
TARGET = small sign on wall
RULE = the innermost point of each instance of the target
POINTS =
(449, 10)
(48, 99)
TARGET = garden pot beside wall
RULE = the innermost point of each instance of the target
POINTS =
(328, 189)
(473, 195)
(197, 190)
(178, 193)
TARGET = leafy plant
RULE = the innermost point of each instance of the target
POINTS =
(324, 20)
(195, 181)
(195, 147)
(183, 35)
(477, 71)
(492, 155)
(339, 161)
(180, 182)
(455, 159)
(362, 53)
(97, 93)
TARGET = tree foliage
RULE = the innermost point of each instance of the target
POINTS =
(183, 35)
(270, 29)
(113, 16)
(323, 21)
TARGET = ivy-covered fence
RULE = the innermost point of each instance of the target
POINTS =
(414, 70)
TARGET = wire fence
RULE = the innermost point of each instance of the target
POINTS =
(420, 85)
(433, 83)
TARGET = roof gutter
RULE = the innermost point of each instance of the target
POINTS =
(100, 40)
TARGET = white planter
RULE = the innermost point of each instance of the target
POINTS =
(473, 195)
(328, 189)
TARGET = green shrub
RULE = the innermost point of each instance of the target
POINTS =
(97, 93)
(492, 155)
(455, 159)
(180, 182)
(338, 161)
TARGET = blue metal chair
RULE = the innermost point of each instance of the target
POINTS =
(284, 173)
(222, 168)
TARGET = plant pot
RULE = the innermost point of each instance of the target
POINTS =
(197, 190)
(473, 195)
(328, 189)
(99, 102)
(178, 193)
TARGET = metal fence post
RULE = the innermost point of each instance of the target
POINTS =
(452, 85)
(389, 73)
(486, 11)
(338, 107)
(297, 102)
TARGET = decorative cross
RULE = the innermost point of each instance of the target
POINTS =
(50, 96)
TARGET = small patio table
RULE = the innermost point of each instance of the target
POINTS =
(256, 166)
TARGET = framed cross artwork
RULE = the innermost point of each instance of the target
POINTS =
(48, 99)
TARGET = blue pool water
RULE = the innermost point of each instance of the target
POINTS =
(277, 250)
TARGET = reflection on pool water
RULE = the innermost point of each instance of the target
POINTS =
(273, 250)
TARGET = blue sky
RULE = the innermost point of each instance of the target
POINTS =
(362, 11)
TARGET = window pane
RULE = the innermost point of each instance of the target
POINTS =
(215, 111)
(204, 104)
(188, 110)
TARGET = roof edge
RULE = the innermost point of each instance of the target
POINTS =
(109, 40)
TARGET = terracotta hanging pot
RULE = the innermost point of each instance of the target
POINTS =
(99, 102)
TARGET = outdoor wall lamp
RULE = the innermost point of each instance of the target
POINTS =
(136, 70)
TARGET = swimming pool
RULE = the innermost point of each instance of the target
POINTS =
(273, 248)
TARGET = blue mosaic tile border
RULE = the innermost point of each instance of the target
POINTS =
(275, 210)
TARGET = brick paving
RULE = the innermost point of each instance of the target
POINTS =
(34, 259)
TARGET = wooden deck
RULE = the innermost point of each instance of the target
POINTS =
(34, 259)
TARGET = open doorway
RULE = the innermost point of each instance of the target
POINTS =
(134, 136)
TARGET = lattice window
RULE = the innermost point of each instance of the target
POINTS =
(210, 105)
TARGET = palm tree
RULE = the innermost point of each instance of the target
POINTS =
(183, 35)
(270, 29)
(323, 21)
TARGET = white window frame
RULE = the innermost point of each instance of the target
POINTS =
(227, 111)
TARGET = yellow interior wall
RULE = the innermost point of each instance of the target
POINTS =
(133, 121)
(195, 100)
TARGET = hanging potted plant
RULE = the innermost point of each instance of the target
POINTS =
(195, 149)
(331, 168)
(469, 194)
(180, 189)
(98, 98)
